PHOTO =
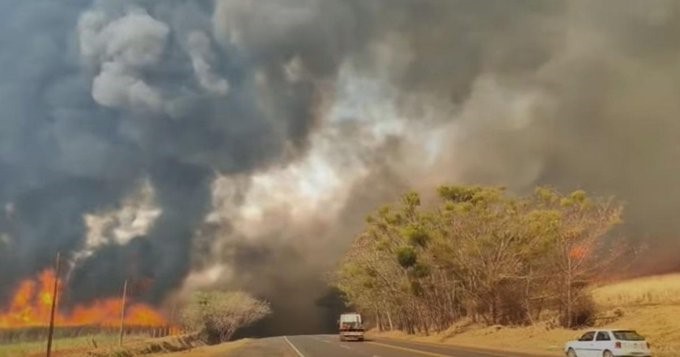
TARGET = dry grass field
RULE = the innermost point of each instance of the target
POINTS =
(651, 305)
(654, 290)
(63, 345)
(106, 345)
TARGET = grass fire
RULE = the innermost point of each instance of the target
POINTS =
(30, 306)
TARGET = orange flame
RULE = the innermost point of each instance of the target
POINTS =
(580, 252)
(32, 301)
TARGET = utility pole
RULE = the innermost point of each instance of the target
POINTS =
(54, 305)
(122, 313)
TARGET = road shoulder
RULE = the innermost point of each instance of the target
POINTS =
(479, 348)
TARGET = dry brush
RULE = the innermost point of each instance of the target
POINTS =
(480, 254)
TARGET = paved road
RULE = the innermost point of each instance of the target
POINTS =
(330, 346)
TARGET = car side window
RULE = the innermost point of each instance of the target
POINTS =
(603, 336)
(588, 336)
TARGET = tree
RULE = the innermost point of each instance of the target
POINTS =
(482, 253)
(492, 251)
(578, 251)
(216, 315)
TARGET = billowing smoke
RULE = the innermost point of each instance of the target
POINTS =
(239, 144)
(102, 97)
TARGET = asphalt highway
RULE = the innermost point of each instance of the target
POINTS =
(330, 346)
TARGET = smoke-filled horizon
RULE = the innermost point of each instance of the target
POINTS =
(239, 144)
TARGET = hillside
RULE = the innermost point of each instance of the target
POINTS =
(655, 290)
(650, 305)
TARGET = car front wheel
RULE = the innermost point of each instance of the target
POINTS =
(571, 353)
(607, 354)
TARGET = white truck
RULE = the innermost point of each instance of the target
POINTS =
(351, 327)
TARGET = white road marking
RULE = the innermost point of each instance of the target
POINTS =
(410, 350)
(321, 339)
(346, 347)
(293, 347)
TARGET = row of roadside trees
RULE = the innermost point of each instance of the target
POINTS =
(480, 254)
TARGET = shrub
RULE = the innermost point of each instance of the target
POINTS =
(216, 315)
(584, 311)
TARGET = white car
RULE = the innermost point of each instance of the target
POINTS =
(609, 343)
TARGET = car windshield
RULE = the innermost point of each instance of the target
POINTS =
(627, 335)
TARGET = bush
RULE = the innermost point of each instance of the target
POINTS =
(584, 311)
(216, 315)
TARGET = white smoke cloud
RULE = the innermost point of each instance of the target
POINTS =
(117, 87)
(135, 40)
(259, 25)
(121, 49)
(312, 187)
(135, 216)
(309, 194)
(204, 278)
(201, 53)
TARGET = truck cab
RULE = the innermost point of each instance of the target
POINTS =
(351, 327)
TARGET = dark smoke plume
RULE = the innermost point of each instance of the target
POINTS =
(99, 96)
(239, 144)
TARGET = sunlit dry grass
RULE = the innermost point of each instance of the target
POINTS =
(649, 305)
(61, 344)
(655, 290)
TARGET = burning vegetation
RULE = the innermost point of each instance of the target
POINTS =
(31, 303)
